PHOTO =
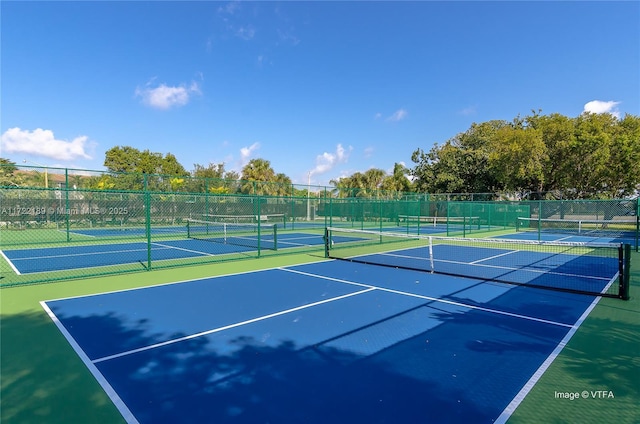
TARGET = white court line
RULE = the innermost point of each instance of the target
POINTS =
(435, 299)
(227, 327)
(508, 411)
(183, 249)
(75, 233)
(494, 257)
(13, 267)
(113, 395)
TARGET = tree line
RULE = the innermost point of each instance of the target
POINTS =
(589, 156)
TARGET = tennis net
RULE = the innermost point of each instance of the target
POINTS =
(470, 222)
(588, 268)
(586, 227)
(272, 219)
(257, 236)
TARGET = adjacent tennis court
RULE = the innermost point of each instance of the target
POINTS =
(48, 259)
(583, 230)
(338, 340)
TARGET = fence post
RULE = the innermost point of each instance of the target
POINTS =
(66, 203)
(147, 206)
(539, 219)
(259, 199)
(637, 223)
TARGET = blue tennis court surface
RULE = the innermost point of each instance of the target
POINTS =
(325, 342)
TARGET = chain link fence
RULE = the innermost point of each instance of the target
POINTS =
(56, 233)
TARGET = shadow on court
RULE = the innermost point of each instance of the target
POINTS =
(463, 370)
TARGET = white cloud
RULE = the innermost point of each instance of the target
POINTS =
(245, 32)
(368, 152)
(288, 36)
(326, 161)
(598, 106)
(398, 115)
(467, 111)
(229, 8)
(43, 143)
(166, 97)
(246, 152)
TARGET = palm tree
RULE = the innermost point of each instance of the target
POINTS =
(282, 185)
(255, 174)
(398, 181)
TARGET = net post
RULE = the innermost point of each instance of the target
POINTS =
(626, 273)
(275, 237)
(326, 242)
(464, 226)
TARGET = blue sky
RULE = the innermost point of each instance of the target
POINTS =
(330, 88)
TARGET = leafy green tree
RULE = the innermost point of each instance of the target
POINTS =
(624, 171)
(130, 163)
(122, 159)
(517, 158)
(8, 175)
(461, 165)
(558, 136)
(208, 178)
(169, 165)
(592, 155)
(210, 171)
